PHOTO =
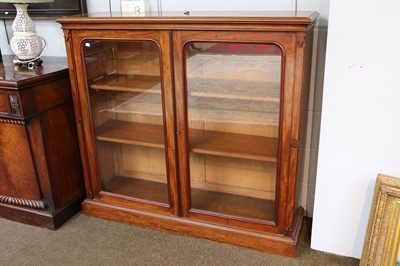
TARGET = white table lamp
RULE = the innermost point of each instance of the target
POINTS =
(25, 43)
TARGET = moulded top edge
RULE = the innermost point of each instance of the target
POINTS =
(264, 17)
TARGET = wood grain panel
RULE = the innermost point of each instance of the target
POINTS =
(64, 167)
(17, 171)
(241, 176)
(4, 104)
(144, 162)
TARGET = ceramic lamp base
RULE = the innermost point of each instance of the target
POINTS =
(26, 44)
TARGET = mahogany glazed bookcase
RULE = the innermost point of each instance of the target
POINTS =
(191, 122)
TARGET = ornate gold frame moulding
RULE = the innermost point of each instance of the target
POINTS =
(382, 239)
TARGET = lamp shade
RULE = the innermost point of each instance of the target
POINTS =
(26, 1)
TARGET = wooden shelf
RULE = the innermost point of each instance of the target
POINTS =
(216, 110)
(231, 204)
(130, 83)
(233, 145)
(131, 133)
(201, 141)
(204, 200)
(255, 103)
(138, 188)
(259, 91)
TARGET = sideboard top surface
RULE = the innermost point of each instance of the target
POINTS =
(17, 77)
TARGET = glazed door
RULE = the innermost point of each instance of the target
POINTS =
(130, 110)
(229, 89)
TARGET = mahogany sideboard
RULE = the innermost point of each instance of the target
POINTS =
(41, 180)
(192, 122)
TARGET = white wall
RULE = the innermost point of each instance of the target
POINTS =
(360, 126)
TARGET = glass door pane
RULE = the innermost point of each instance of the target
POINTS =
(233, 111)
(127, 113)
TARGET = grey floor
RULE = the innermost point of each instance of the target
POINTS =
(86, 240)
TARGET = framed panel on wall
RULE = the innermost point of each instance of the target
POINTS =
(58, 8)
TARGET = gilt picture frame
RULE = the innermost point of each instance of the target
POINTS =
(58, 8)
(382, 238)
